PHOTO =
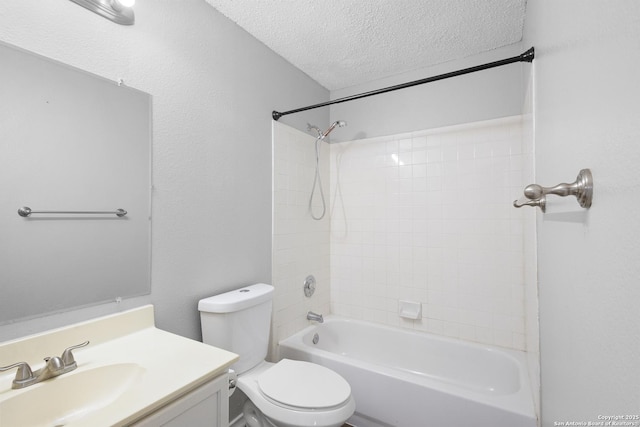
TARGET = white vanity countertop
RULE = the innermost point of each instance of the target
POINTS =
(170, 365)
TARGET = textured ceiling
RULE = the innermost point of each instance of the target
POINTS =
(341, 43)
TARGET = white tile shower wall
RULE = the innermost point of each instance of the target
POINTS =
(300, 244)
(428, 217)
(532, 328)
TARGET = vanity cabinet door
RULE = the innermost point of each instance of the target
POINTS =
(206, 406)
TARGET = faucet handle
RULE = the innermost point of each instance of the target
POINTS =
(67, 356)
(24, 371)
(54, 362)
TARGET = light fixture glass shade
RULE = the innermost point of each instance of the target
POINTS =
(121, 5)
(118, 11)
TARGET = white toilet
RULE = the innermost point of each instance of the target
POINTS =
(285, 394)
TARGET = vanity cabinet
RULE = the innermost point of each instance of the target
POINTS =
(206, 406)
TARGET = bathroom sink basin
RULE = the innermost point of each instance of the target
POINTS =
(67, 398)
(129, 372)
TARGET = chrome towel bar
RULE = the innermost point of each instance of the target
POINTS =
(26, 212)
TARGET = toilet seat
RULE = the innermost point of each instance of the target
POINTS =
(303, 385)
(277, 391)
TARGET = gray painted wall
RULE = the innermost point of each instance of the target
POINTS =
(586, 112)
(484, 95)
(213, 89)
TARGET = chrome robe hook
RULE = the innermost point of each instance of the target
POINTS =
(582, 188)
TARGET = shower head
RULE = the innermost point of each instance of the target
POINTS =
(311, 127)
(338, 123)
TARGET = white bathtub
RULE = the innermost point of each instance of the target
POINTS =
(406, 379)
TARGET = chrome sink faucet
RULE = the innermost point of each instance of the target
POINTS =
(315, 317)
(54, 366)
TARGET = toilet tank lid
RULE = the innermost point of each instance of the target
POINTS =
(237, 300)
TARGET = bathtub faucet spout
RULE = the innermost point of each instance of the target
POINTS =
(315, 317)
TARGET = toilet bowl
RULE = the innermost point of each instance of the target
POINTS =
(291, 393)
(288, 393)
(252, 416)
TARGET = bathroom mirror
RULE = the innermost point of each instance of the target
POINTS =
(70, 141)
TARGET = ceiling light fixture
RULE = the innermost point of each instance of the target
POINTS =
(118, 11)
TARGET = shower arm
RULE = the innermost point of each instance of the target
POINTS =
(524, 57)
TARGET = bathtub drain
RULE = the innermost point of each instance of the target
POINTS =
(316, 338)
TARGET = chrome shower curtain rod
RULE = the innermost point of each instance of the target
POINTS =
(524, 57)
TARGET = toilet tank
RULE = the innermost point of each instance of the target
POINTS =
(239, 321)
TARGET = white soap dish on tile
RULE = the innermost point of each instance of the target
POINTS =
(410, 309)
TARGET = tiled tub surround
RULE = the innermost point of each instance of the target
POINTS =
(427, 216)
(300, 244)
